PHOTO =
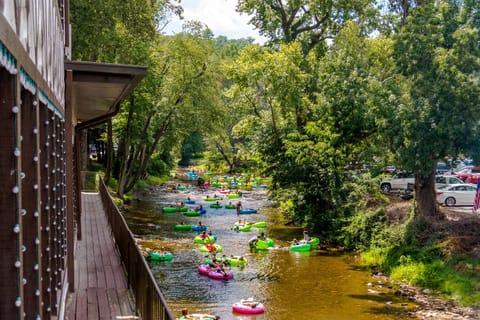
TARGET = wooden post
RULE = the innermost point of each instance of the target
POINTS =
(70, 184)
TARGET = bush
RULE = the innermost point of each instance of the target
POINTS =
(375, 256)
(112, 184)
(118, 202)
(157, 167)
(91, 181)
(155, 180)
(364, 229)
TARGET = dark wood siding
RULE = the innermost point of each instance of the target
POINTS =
(29, 209)
(10, 242)
(45, 211)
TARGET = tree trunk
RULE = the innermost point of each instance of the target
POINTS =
(425, 198)
(124, 151)
(84, 150)
(109, 151)
(144, 153)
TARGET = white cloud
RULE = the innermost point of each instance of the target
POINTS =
(220, 16)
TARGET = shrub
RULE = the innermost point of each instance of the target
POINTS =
(157, 167)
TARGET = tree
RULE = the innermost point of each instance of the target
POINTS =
(356, 89)
(192, 147)
(310, 22)
(104, 31)
(343, 117)
(437, 50)
(178, 96)
(119, 37)
(227, 144)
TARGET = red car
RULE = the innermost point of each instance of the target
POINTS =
(469, 175)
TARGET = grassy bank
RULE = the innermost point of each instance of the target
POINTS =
(441, 258)
(454, 277)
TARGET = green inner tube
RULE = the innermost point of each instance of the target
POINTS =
(230, 206)
(156, 256)
(264, 244)
(197, 316)
(216, 206)
(246, 228)
(236, 262)
(198, 239)
(233, 195)
(260, 224)
(211, 199)
(243, 228)
(205, 249)
(314, 241)
(169, 209)
(301, 247)
(182, 227)
(183, 209)
(219, 259)
(192, 213)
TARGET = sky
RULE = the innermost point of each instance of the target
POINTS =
(220, 16)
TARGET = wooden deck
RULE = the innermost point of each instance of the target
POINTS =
(100, 284)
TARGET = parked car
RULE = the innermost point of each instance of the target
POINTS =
(389, 169)
(456, 195)
(399, 181)
(474, 175)
(469, 175)
(442, 168)
(443, 180)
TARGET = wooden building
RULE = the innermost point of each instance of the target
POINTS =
(46, 101)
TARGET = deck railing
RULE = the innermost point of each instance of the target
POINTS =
(149, 301)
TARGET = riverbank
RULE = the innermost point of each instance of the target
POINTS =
(459, 233)
(460, 238)
(277, 277)
(436, 308)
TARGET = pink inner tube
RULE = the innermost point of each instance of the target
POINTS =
(241, 308)
(204, 269)
(218, 276)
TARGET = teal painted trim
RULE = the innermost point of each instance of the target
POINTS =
(44, 99)
(27, 82)
(7, 59)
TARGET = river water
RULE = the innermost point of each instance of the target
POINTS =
(318, 284)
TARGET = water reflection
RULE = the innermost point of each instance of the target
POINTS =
(291, 285)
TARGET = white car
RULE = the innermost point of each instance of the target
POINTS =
(400, 181)
(456, 194)
(443, 180)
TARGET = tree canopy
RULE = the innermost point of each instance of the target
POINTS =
(341, 87)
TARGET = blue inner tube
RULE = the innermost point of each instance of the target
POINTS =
(199, 228)
(248, 211)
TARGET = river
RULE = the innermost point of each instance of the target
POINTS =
(320, 284)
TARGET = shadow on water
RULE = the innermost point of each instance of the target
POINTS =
(292, 285)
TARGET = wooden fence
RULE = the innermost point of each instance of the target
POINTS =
(149, 301)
